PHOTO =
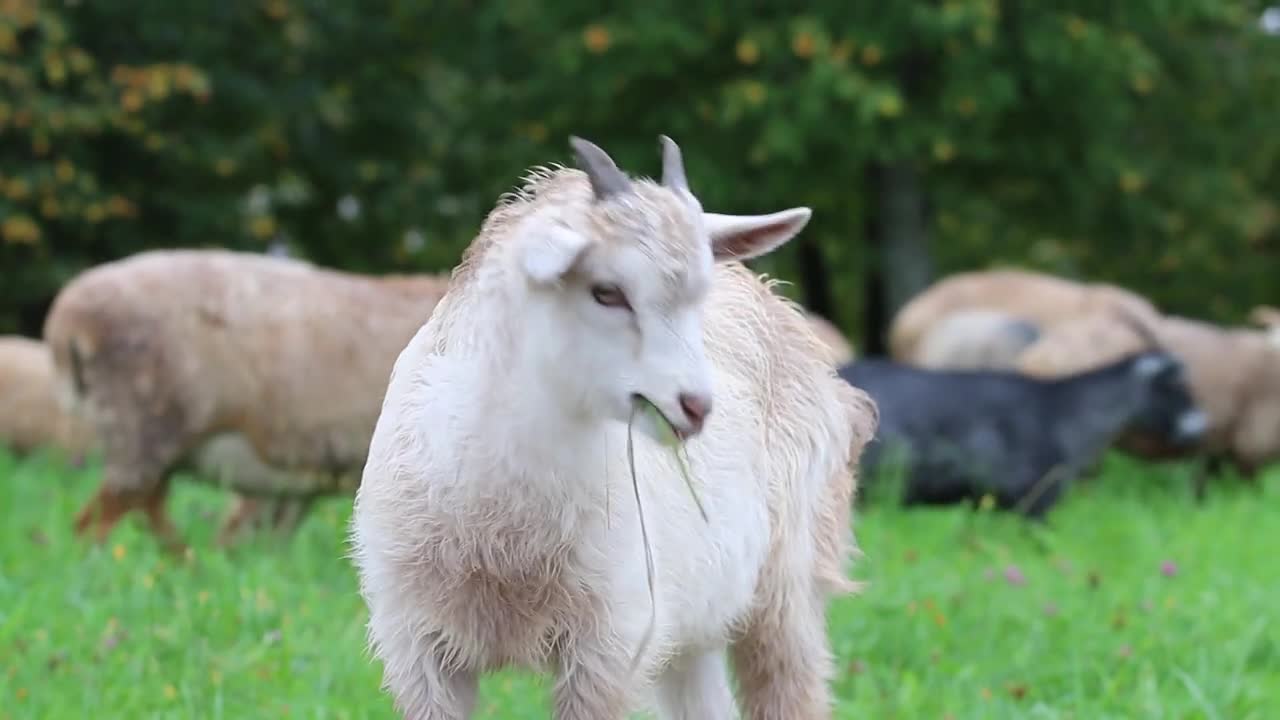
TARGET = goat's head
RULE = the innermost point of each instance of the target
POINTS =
(1168, 412)
(617, 287)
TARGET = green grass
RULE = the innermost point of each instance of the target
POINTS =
(269, 630)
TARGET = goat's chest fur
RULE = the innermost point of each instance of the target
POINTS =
(504, 582)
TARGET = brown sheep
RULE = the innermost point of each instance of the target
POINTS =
(167, 350)
(1040, 298)
(975, 339)
(839, 350)
(30, 417)
(1234, 375)
(1268, 318)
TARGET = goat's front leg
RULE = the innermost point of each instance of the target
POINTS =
(424, 687)
(697, 687)
(592, 682)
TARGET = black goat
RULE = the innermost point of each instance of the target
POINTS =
(968, 433)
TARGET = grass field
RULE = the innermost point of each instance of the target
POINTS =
(1134, 603)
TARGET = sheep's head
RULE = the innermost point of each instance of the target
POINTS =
(617, 286)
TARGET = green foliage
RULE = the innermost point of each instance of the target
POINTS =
(1133, 602)
(1128, 142)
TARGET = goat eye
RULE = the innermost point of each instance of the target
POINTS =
(609, 296)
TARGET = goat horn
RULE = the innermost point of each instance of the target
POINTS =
(672, 164)
(606, 179)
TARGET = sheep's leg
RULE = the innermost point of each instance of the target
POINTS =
(245, 512)
(697, 688)
(1211, 465)
(591, 685)
(783, 661)
(102, 512)
(290, 512)
(161, 525)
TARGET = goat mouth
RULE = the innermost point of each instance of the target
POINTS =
(682, 434)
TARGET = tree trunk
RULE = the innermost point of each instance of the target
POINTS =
(814, 278)
(898, 234)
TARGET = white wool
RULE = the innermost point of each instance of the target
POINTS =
(495, 522)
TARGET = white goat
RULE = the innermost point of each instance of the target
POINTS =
(494, 524)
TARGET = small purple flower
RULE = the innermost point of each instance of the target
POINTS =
(1014, 575)
(1050, 609)
(1168, 568)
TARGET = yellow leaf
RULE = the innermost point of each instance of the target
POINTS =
(747, 51)
(871, 55)
(131, 101)
(55, 70)
(841, 51)
(1076, 27)
(80, 61)
(754, 92)
(121, 207)
(1132, 181)
(158, 84)
(17, 189)
(20, 230)
(802, 44)
(890, 105)
(262, 226)
(943, 150)
(597, 38)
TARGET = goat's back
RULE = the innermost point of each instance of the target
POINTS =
(814, 426)
(1221, 363)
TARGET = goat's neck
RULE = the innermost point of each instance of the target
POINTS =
(525, 430)
(1100, 403)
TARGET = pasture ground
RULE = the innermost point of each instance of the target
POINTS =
(1133, 603)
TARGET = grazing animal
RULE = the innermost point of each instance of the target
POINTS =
(839, 349)
(968, 433)
(30, 417)
(1233, 373)
(493, 525)
(1039, 298)
(975, 339)
(166, 350)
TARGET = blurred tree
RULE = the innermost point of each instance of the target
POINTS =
(1125, 142)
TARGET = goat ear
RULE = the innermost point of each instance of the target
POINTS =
(550, 252)
(742, 237)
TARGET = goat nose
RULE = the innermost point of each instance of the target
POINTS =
(696, 407)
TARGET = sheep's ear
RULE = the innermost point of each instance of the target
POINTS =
(547, 254)
(742, 237)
